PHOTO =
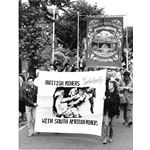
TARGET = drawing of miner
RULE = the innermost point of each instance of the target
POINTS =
(78, 101)
(72, 110)
(59, 108)
(63, 107)
(86, 107)
(70, 107)
(91, 92)
(80, 98)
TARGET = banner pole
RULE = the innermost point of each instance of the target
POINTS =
(127, 46)
(78, 39)
(53, 43)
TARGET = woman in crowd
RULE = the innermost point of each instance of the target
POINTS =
(126, 90)
(21, 99)
(111, 109)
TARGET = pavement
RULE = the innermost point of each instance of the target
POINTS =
(122, 140)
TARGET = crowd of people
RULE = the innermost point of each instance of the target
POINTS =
(118, 97)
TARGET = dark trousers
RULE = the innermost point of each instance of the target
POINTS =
(108, 126)
(22, 110)
(127, 112)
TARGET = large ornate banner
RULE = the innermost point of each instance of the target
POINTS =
(70, 102)
(104, 41)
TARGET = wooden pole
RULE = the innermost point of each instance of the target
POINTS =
(127, 46)
(53, 43)
(78, 39)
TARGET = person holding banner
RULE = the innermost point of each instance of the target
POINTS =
(30, 97)
(111, 109)
(126, 90)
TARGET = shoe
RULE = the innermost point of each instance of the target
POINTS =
(30, 134)
(129, 124)
(110, 140)
(105, 141)
(35, 133)
(22, 123)
(38, 133)
(124, 123)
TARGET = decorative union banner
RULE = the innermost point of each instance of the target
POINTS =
(70, 102)
(104, 41)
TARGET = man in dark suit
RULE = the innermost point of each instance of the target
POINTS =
(30, 97)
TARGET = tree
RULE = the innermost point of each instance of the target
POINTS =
(35, 28)
(66, 27)
(130, 43)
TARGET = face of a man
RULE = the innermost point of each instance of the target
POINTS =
(30, 82)
(62, 92)
(20, 80)
(74, 92)
(37, 74)
(81, 92)
(51, 68)
(111, 86)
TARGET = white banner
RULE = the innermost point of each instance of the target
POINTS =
(70, 102)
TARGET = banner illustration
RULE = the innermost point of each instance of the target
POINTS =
(68, 102)
(104, 41)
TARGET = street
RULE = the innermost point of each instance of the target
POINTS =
(122, 140)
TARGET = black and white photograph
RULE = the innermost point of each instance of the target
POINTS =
(75, 62)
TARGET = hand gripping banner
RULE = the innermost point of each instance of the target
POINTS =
(104, 41)
(70, 102)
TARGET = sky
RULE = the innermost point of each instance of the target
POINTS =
(117, 7)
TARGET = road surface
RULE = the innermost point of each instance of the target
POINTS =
(122, 140)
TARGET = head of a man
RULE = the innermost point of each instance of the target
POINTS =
(112, 85)
(51, 68)
(30, 80)
(37, 72)
(21, 79)
(81, 92)
(73, 91)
